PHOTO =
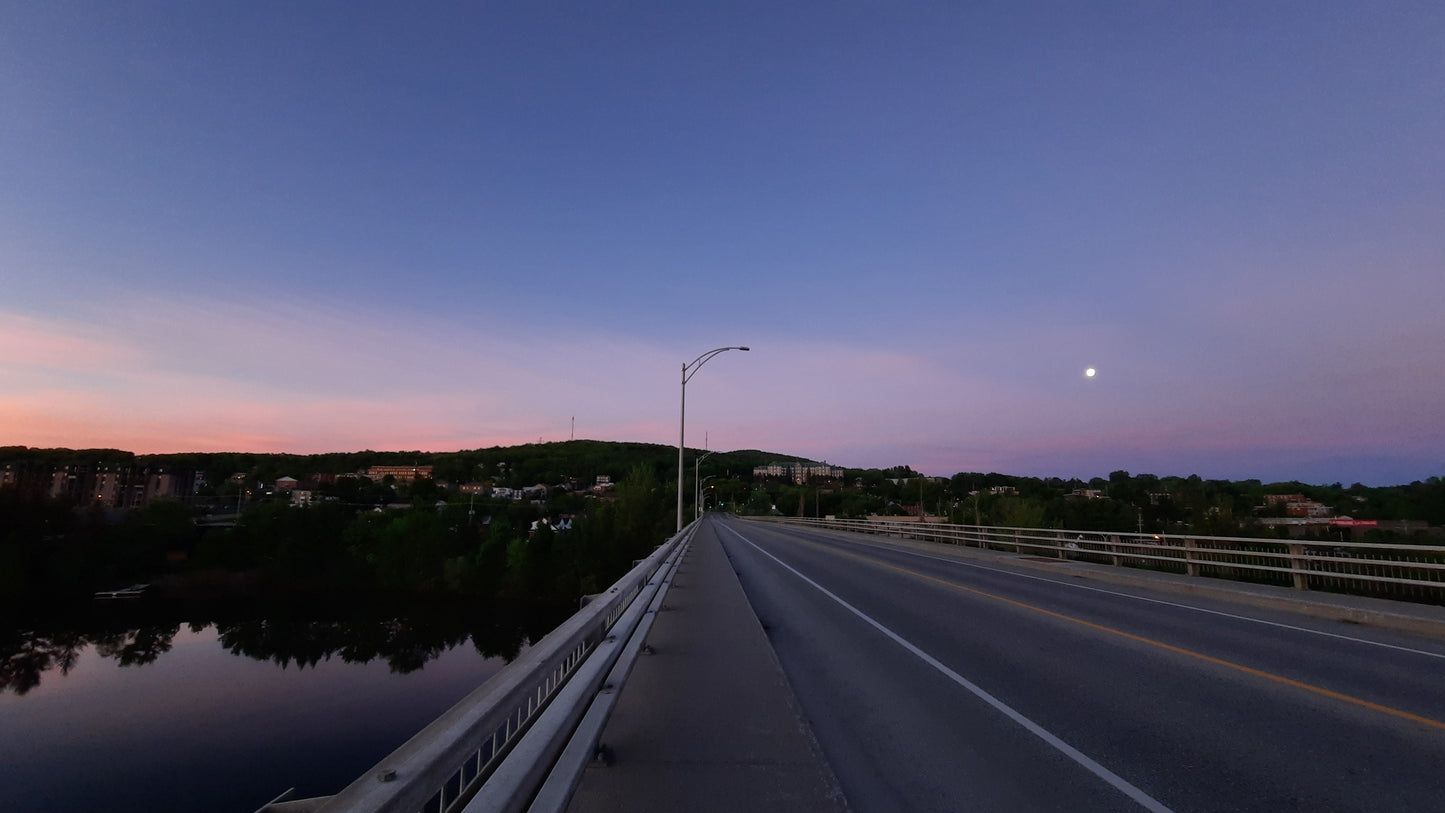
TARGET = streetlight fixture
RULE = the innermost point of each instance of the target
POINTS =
(688, 371)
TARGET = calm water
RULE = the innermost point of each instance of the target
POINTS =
(125, 709)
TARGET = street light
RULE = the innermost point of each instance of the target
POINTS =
(697, 496)
(688, 371)
(697, 484)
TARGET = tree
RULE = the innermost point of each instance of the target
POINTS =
(1019, 512)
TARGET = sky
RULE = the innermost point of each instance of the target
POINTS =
(308, 227)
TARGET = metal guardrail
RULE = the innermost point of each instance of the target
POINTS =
(544, 770)
(444, 765)
(1398, 571)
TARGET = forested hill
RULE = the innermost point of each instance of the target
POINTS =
(527, 464)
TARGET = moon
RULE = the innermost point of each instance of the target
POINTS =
(1089, 373)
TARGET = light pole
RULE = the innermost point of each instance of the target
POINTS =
(696, 483)
(688, 371)
(697, 495)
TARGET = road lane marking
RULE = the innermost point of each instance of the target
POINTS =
(1118, 782)
(1366, 641)
(1249, 670)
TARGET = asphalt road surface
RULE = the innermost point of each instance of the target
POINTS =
(935, 684)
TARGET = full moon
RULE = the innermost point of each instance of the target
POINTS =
(1089, 373)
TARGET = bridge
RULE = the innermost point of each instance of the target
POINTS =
(836, 665)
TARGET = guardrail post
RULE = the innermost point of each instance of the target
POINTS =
(1298, 570)
(1191, 567)
(1114, 550)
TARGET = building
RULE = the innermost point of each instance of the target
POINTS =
(29, 478)
(112, 487)
(1308, 508)
(799, 472)
(118, 485)
(400, 474)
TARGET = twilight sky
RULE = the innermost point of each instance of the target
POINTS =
(335, 226)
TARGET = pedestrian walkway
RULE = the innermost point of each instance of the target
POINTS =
(708, 722)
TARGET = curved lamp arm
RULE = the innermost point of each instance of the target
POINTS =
(689, 370)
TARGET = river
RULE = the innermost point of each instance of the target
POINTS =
(148, 706)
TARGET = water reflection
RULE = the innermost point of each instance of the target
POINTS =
(405, 637)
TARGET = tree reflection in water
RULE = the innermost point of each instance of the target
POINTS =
(303, 635)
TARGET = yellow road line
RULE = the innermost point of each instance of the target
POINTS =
(1249, 670)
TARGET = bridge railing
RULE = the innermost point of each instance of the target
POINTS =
(1399, 571)
(440, 768)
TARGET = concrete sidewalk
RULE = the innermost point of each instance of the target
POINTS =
(708, 722)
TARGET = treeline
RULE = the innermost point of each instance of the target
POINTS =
(474, 548)
(1121, 502)
(510, 466)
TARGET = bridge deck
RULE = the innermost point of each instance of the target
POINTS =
(708, 721)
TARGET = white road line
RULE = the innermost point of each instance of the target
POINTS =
(946, 559)
(1118, 782)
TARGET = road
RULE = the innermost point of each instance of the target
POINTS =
(936, 684)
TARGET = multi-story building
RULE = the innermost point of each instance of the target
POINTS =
(119, 485)
(73, 483)
(112, 487)
(401, 474)
(799, 472)
(30, 478)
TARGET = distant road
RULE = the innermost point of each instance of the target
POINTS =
(941, 685)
